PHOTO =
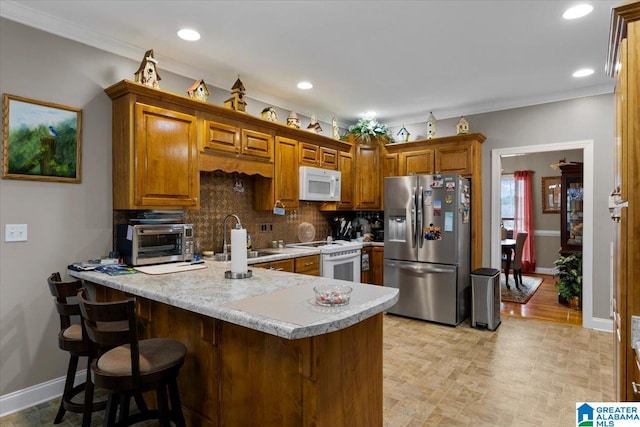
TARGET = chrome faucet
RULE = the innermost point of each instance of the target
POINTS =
(224, 231)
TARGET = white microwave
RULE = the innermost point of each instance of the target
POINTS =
(318, 184)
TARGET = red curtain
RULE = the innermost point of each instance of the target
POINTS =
(524, 217)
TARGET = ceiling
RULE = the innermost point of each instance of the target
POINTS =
(401, 59)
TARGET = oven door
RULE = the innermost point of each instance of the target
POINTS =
(343, 265)
(157, 245)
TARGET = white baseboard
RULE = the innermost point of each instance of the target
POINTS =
(541, 270)
(605, 325)
(31, 396)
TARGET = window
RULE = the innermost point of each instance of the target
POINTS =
(508, 201)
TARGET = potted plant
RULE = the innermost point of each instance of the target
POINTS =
(569, 272)
(367, 128)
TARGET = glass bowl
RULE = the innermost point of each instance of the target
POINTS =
(332, 295)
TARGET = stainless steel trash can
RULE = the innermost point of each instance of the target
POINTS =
(485, 297)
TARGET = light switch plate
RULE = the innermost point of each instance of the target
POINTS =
(15, 232)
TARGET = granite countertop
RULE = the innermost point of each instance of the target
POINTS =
(365, 244)
(274, 302)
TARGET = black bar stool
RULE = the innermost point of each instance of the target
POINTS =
(71, 338)
(127, 366)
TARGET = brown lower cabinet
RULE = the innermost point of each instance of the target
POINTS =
(375, 274)
(280, 265)
(237, 376)
(309, 265)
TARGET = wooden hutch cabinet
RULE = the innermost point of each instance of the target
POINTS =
(623, 63)
(571, 209)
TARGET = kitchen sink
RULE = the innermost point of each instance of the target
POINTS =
(257, 254)
(250, 254)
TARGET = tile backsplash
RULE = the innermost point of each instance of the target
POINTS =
(218, 199)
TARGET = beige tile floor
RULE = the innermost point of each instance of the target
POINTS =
(527, 373)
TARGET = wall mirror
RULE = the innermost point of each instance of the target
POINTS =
(551, 194)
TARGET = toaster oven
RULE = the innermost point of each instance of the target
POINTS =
(145, 244)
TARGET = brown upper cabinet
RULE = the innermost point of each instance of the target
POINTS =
(416, 162)
(159, 136)
(154, 142)
(367, 176)
(231, 145)
(345, 165)
(452, 154)
(283, 187)
(317, 156)
(294, 148)
(231, 139)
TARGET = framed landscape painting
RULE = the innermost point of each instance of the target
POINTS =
(41, 140)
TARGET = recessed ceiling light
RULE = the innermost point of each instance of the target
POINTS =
(305, 85)
(188, 34)
(583, 72)
(577, 11)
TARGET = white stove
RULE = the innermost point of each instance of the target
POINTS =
(339, 259)
(328, 246)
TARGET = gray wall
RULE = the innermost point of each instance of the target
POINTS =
(589, 118)
(70, 222)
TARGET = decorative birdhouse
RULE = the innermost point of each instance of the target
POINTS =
(431, 126)
(314, 126)
(198, 91)
(237, 102)
(269, 114)
(147, 73)
(462, 126)
(335, 130)
(293, 121)
(403, 134)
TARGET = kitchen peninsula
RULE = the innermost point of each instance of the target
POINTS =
(260, 352)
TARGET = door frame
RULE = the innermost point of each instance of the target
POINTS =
(587, 249)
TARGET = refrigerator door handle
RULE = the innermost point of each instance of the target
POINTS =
(413, 218)
(419, 234)
(423, 270)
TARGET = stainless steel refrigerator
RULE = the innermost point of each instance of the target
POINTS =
(427, 246)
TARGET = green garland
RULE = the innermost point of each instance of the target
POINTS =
(366, 129)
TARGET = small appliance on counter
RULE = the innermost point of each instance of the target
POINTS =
(146, 244)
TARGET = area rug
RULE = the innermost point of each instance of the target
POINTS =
(527, 289)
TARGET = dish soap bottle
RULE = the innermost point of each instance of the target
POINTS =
(249, 243)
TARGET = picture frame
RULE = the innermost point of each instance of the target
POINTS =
(551, 194)
(41, 140)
